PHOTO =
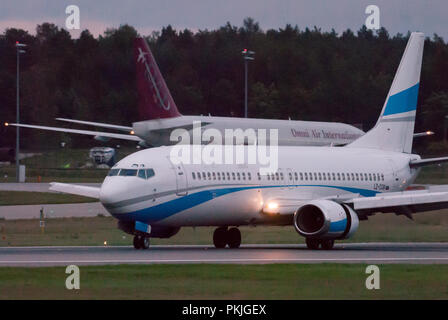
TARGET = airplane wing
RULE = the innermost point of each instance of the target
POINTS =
(86, 132)
(405, 202)
(97, 124)
(85, 191)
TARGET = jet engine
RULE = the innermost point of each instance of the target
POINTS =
(326, 219)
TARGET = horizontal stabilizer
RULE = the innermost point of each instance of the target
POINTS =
(86, 132)
(85, 191)
(427, 162)
(97, 124)
(423, 134)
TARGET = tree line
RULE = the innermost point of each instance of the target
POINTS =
(305, 74)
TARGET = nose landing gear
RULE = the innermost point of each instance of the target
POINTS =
(223, 236)
(141, 242)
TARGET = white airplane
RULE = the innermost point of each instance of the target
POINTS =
(156, 103)
(323, 192)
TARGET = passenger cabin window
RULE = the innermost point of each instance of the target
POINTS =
(192, 174)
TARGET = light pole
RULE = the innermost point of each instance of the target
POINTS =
(19, 49)
(247, 56)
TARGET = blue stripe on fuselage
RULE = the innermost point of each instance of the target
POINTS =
(402, 101)
(169, 208)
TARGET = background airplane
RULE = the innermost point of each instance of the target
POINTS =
(156, 104)
(323, 192)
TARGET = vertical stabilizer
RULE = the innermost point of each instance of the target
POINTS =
(395, 127)
(154, 98)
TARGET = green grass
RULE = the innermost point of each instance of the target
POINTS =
(205, 281)
(427, 227)
(433, 175)
(8, 198)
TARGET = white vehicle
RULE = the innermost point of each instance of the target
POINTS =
(103, 155)
(156, 104)
(323, 192)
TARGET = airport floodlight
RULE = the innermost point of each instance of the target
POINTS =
(247, 56)
(19, 49)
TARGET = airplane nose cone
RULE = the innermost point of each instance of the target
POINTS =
(109, 193)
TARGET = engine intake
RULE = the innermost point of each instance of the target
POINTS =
(326, 219)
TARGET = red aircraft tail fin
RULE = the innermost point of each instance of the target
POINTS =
(154, 98)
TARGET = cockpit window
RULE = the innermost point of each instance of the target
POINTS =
(113, 172)
(142, 173)
(149, 173)
(128, 172)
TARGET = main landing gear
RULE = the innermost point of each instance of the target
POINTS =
(141, 242)
(314, 244)
(223, 236)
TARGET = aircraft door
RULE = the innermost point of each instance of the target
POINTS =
(181, 180)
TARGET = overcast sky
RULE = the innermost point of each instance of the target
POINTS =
(429, 16)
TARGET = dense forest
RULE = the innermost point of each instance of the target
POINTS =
(302, 74)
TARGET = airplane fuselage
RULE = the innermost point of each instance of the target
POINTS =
(235, 194)
(290, 132)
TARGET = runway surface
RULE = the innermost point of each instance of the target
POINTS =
(369, 253)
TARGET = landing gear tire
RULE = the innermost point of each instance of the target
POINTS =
(312, 244)
(141, 242)
(144, 244)
(137, 242)
(327, 244)
(234, 238)
(220, 237)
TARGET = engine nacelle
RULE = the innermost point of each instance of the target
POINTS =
(326, 219)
